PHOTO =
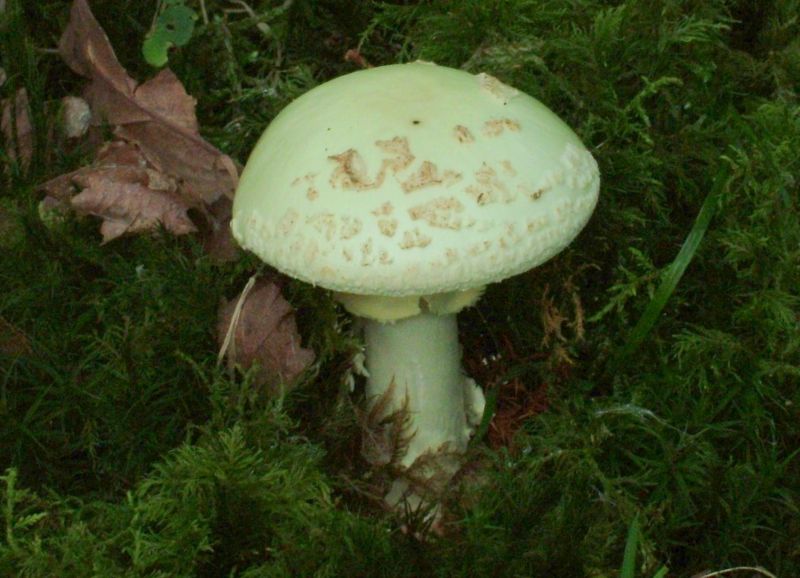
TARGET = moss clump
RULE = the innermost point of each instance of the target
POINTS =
(131, 454)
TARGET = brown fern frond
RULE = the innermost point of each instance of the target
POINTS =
(386, 432)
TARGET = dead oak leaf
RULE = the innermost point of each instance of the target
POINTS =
(164, 97)
(127, 206)
(123, 189)
(86, 49)
(263, 333)
(158, 115)
(115, 155)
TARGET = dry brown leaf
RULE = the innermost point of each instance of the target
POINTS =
(62, 188)
(125, 191)
(159, 167)
(158, 115)
(386, 433)
(264, 334)
(354, 56)
(17, 129)
(127, 206)
(218, 242)
(552, 319)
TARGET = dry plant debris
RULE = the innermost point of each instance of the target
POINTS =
(258, 328)
(17, 129)
(76, 116)
(124, 190)
(158, 167)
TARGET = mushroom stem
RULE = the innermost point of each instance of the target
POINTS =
(414, 367)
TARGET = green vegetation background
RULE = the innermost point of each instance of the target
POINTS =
(128, 452)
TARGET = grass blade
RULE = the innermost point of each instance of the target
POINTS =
(631, 544)
(672, 275)
(488, 413)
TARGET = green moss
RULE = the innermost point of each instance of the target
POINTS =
(133, 454)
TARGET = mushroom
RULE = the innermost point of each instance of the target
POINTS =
(406, 189)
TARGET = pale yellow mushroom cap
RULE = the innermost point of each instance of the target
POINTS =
(413, 179)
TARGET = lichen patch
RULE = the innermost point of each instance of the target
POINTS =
(312, 194)
(442, 213)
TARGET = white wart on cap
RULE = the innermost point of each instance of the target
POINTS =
(413, 179)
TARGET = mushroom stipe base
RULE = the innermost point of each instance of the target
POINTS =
(414, 366)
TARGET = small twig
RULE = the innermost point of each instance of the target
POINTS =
(263, 27)
(159, 6)
(245, 7)
(758, 569)
(204, 12)
(230, 342)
